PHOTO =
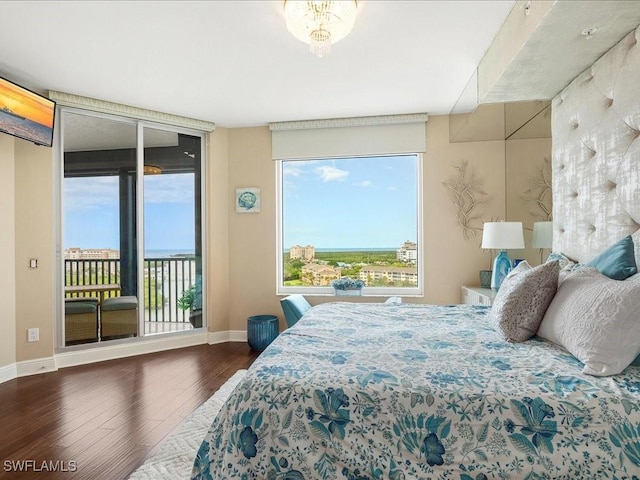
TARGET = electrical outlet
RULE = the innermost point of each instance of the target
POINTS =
(33, 335)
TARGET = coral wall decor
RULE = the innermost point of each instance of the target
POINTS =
(467, 194)
(539, 197)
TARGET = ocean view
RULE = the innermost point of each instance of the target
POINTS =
(164, 253)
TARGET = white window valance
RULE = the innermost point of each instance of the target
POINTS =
(342, 137)
(102, 106)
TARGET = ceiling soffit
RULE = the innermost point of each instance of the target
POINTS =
(541, 48)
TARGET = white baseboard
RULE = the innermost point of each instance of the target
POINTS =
(146, 345)
(38, 365)
(237, 335)
(111, 352)
(227, 336)
(8, 372)
(218, 337)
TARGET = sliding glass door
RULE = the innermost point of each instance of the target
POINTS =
(172, 231)
(131, 231)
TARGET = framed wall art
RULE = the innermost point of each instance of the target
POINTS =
(248, 200)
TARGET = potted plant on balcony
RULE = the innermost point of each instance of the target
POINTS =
(191, 300)
(347, 287)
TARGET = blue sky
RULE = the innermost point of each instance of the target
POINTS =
(91, 212)
(340, 203)
(350, 203)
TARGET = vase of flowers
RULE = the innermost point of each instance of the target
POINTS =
(347, 287)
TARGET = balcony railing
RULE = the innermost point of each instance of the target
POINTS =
(165, 281)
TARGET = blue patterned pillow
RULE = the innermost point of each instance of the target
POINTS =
(618, 261)
(565, 262)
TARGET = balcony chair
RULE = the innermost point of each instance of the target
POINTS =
(80, 320)
(294, 306)
(119, 317)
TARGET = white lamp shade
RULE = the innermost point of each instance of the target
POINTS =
(502, 235)
(542, 235)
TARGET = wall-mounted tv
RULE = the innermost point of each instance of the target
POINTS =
(25, 114)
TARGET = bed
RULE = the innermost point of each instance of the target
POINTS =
(373, 391)
(381, 391)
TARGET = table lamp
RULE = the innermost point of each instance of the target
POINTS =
(542, 236)
(501, 236)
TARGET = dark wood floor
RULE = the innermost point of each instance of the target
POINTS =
(108, 417)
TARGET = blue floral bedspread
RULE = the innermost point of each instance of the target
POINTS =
(373, 391)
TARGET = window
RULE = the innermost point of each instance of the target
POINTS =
(356, 217)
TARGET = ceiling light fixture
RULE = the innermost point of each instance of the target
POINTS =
(320, 23)
(152, 170)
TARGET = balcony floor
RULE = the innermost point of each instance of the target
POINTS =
(153, 328)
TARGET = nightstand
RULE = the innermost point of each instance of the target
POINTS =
(477, 296)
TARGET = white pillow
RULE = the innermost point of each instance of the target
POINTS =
(393, 301)
(596, 319)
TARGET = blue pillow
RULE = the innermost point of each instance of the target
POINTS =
(618, 261)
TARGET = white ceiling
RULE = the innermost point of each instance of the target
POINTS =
(234, 62)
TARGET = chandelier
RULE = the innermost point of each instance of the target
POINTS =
(320, 23)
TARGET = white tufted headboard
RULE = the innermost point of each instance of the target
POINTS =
(596, 154)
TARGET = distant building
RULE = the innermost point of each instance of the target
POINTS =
(319, 275)
(392, 274)
(307, 253)
(408, 252)
(75, 253)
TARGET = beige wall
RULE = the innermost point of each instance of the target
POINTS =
(34, 231)
(27, 218)
(252, 236)
(450, 259)
(7, 252)
(217, 215)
